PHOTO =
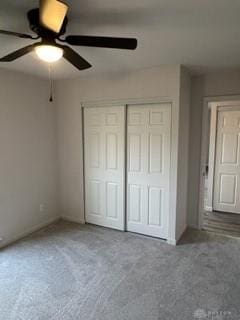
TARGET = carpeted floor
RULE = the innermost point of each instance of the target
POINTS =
(72, 272)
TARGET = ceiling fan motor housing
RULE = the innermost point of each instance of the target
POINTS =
(35, 26)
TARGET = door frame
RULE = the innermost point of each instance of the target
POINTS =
(174, 122)
(211, 106)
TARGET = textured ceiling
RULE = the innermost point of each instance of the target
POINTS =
(201, 34)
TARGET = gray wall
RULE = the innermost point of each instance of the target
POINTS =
(213, 84)
(28, 162)
(29, 154)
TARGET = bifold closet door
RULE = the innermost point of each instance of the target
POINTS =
(149, 142)
(104, 152)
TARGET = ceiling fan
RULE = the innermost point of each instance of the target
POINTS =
(49, 23)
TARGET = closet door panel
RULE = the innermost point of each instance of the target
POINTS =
(104, 148)
(148, 169)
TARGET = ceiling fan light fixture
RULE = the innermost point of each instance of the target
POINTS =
(49, 53)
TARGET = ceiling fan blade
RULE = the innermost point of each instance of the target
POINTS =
(75, 59)
(17, 54)
(102, 42)
(52, 14)
(16, 34)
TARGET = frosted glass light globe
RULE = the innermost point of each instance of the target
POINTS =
(49, 53)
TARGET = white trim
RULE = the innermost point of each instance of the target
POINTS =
(125, 165)
(121, 102)
(83, 168)
(230, 108)
(73, 219)
(28, 232)
(219, 101)
(211, 159)
(172, 242)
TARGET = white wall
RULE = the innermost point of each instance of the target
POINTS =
(28, 161)
(183, 152)
(159, 82)
(214, 84)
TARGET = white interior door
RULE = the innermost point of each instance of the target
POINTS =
(104, 140)
(149, 142)
(227, 162)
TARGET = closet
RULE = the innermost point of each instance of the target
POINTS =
(127, 153)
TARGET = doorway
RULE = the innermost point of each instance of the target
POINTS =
(220, 177)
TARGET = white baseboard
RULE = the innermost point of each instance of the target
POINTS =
(172, 242)
(28, 232)
(73, 219)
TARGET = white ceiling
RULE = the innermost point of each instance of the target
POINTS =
(200, 34)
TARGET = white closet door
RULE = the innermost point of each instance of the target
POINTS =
(227, 163)
(149, 130)
(104, 136)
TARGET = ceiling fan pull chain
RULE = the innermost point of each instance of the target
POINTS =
(50, 82)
